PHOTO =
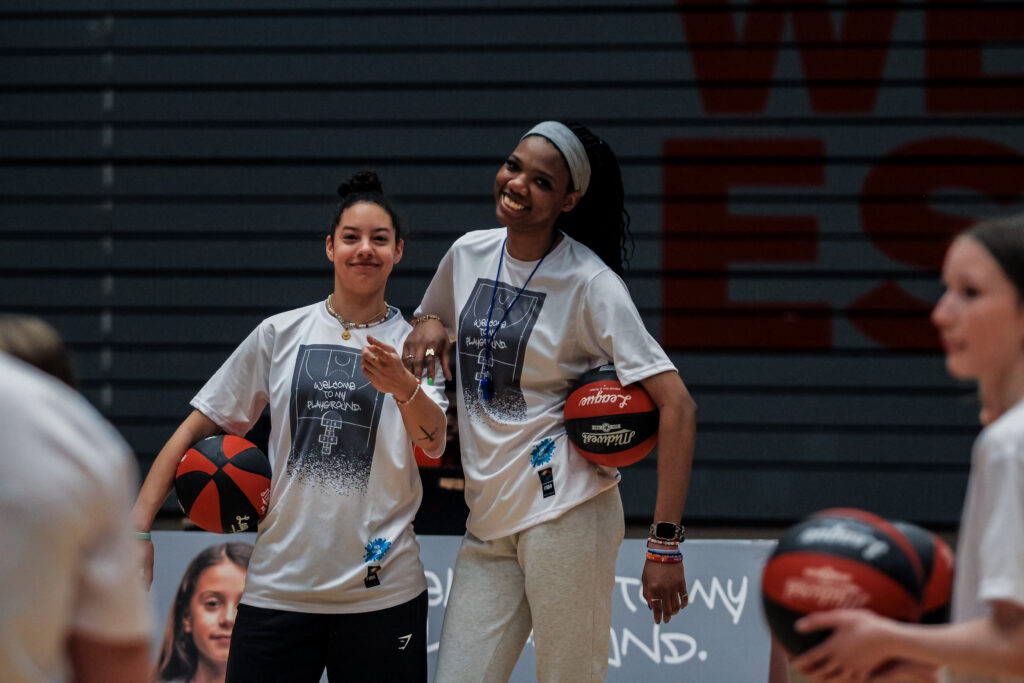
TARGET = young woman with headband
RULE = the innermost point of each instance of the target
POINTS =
(335, 578)
(980, 319)
(533, 306)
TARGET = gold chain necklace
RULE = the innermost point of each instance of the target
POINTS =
(374, 321)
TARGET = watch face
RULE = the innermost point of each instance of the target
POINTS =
(667, 530)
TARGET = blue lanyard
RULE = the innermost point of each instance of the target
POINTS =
(486, 383)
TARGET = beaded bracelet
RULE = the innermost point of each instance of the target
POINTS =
(421, 318)
(667, 559)
(662, 552)
(661, 541)
(415, 391)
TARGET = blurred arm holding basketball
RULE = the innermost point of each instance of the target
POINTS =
(664, 585)
(424, 420)
(862, 642)
(160, 479)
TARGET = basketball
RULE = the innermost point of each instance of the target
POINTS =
(937, 567)
(610, 424)
(223, 484)
(839, 558)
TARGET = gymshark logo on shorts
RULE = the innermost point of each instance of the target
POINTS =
(403, 641)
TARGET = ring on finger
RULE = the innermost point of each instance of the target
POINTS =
(411, 355)
(429, 353)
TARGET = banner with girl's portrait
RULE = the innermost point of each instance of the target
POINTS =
(721, 636)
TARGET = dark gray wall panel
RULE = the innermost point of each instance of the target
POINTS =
(168, 170)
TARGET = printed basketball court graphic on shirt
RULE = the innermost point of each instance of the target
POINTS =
(334, 413)
(508, 347)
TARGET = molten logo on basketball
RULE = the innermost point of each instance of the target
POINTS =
(241, 523)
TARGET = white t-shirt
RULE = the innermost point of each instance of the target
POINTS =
(574, 314)
(70, 561)
(337, 536)
(990, 547)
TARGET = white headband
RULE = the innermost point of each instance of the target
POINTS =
(562, 137)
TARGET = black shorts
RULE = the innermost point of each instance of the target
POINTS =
(284, 647)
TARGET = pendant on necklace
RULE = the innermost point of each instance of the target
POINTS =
(346, 335)
(486, 387)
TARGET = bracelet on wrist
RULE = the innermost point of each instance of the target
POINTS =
(408, 400)
(666, 559)
(662, 542)
(422, 318)
(664, 552)
(143, 535)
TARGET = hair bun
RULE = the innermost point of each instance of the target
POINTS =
(361, 182)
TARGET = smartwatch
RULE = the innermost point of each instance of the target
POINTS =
(667, 531)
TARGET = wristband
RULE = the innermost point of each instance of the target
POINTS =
(143, 535)
(667, 559)
(415, 391)
(667, 544)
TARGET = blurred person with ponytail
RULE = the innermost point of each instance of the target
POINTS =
(980, 319)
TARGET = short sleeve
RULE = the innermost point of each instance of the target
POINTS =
(235, 396)
(1002, 546)
(439, 299)
(112, 603)
(611, 327)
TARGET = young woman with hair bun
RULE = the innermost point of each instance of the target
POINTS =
(533, 305)
(335, 579)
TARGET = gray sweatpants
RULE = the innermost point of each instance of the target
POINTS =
(556, 578)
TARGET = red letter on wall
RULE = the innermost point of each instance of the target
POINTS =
(897, 216)
(968, 28)
(702, 240)
(734, 73)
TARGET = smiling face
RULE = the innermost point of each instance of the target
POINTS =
(211, 612)
(533, 187)
(363, 249)
(980, 317)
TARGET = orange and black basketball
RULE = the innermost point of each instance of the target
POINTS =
(223, 484)
(610, 424)
(838, 558)
(937, 565)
